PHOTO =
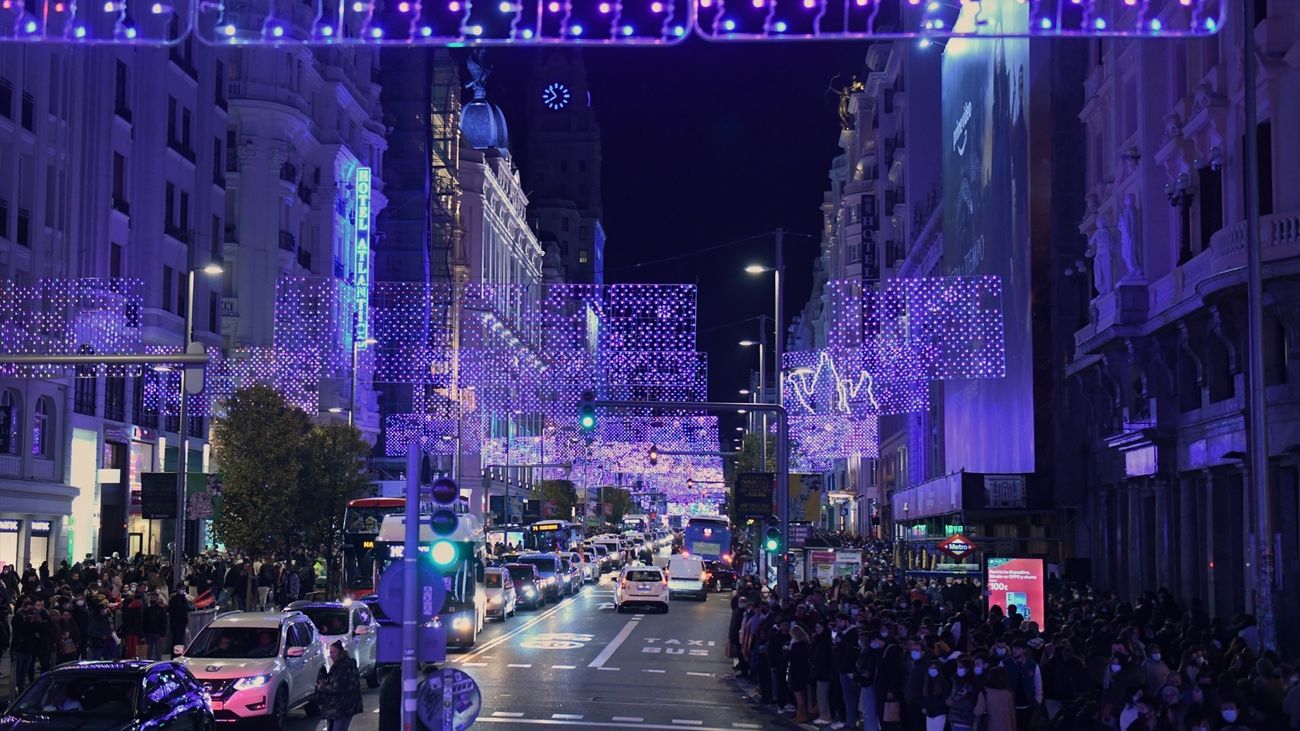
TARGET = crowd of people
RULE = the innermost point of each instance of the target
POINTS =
(882, 651)
(120, 608)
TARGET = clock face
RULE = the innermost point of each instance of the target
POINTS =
(556, 96)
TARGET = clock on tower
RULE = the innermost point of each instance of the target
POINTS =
(556, 96)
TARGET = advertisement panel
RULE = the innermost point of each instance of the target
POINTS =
(1020, 581)
(989, 422)
(754, 494)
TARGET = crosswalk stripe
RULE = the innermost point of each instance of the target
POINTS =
(653, 670)
(567, 716)
(688, 722)
(628, 719)
(739, 724)
(563, 667)
(508, 714)
(519, 665)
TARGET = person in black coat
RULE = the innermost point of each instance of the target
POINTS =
(823, 671)
(845, 643)
(889, 679)
(178, 616)
(799, 659)
(777, 641)
(155, 626)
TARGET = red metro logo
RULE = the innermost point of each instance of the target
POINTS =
(958, 546)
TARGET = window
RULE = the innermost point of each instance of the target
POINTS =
(217, 163)
(23, 235)
(43, 428)
(171, 119)
(220, 76)
(10, 418)
(115, 398)
(29, 112)
(185, 211)
(180, 294)
(232, 151)
(55, 86)
(119, 183)
(137, 400)
(216, 242)
(7, 98)
(185, 128)
(167, 288)
(115, 260)
(214, 312)
(119, 92)
(583, 256)
(51, 197)
(169, 207)
(1264, 140)
(1210, 202)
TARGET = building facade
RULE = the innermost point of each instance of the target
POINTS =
(1158, 368)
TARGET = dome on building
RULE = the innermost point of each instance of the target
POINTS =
(484, 126)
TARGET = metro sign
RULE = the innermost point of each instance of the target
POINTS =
(957, 545)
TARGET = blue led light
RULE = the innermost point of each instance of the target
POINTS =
(780, 26)
(576, 30)
(79, 31)
(327, 31)
(679, 31)
(230, 29)
(627, 30)
(1211, 24)
(729, 24)
(277, 31)
(130, 32)
(30, 26)
(1156, 25)
(376, 32)
(426, 31)
(1045, 23)
(1100, 24)
(526, 33)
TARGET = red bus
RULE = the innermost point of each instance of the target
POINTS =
(361, 523)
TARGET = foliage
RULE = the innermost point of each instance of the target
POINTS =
(561, 493)
(619, 501)
(334, 472)
(286, 481)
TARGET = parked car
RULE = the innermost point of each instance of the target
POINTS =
(500, 589)
(722, 577)
(257, 665)
(111, 696)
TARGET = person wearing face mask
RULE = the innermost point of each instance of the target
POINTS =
(934, 697)
(963, 697)
(823, 673)
(1123, 679)
(870, 647)
(1156, 669)
(919, 657)
(1231, 716)
(846, 648)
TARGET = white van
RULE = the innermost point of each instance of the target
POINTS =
(687, 575)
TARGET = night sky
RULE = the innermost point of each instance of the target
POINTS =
(703, 144)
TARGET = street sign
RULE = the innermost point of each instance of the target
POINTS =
(754, 494)
(799, 534)
(957, 546)
(158, 495)
(448, 700)
(430, 647)
(433, 591)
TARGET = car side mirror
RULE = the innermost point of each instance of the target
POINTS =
(361, 631)
(178, 649)
(295, 652)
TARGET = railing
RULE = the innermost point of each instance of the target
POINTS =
(182, 149)
(177, 233)
(11, 465)
(43, 469)
(1275, 230)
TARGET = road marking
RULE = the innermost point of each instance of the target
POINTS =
(738, 724)
(611, 669)
(652, 670)
(519, 665)
(613, 645)
(567, 716)
(688, 722)
(508, 714)
(526, 626)
(630, 719)
(699, 675)
(564, 667)
(475, 664)
(600, 724)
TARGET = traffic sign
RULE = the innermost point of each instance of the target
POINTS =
(754, 494)
(448, 700)
(957, 546)
(799, 534)
(158, 495)
(432, 594)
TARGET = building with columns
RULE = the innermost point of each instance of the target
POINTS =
(1158, 372)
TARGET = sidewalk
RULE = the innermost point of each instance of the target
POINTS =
(750, 690)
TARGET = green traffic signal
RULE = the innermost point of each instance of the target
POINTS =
(772, 542)
(443, 553)
(587, 422)
(587, 412)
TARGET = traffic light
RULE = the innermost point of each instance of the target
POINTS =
(444, 521)
(587, 412)
(772, 540)
(654, 455)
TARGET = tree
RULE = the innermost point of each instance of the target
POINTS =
(560, 493)
(619, 502)
(334, 472)
(259, 445)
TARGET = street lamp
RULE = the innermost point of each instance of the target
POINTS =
(778, 280)
(211, 269)
(756, 269)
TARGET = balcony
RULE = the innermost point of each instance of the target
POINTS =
(182, 149)
(287, 241)
(11, 465)
(183, 62)
(304, 194)
(43, 469)
(178, 233)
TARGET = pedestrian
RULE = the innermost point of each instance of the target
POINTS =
(178, 616)
(132, 627)
(997, 702)
(799, 660)
(845, 641)
(339, 693)
(155, 626)
(823, 672)
(101, 643)
(24, 645)
(934, 698)
(1026, 682)
(963, 698)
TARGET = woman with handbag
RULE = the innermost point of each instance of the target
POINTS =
(799, 657)
(934, 698)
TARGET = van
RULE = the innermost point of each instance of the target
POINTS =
(687, 576)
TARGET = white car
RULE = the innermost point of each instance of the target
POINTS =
(500, 590)
(350, 623)
(687, 575)
(643, 586)
(257, 665)
(590, 570)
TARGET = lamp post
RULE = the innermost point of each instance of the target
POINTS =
(761, 396)
(778, 280)
(182, 446)
(352, 386)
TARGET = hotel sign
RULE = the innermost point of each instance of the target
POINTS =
(361, 258)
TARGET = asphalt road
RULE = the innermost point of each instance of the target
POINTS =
(578, 664)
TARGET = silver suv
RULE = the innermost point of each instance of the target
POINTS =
(257, 665)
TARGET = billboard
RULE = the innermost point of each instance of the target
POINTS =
(1019, 581)
(754, 494)
(989, 423)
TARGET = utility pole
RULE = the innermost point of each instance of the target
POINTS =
(1257, 425)
(783, 450)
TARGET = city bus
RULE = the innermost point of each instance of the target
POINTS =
(709, 537)
(552, 535)
(638, 523)
(361, 522)
(464, 612)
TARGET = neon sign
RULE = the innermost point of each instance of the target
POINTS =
(361, 261)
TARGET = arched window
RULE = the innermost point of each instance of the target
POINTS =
(43, 428)
(10, 418)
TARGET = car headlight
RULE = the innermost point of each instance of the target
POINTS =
(460, 624)
(494, 600)
(255, 681)
(529, 591)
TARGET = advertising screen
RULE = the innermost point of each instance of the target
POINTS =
(989, 422)
(1018, 581)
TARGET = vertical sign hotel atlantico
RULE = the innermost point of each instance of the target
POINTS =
(361, 260)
